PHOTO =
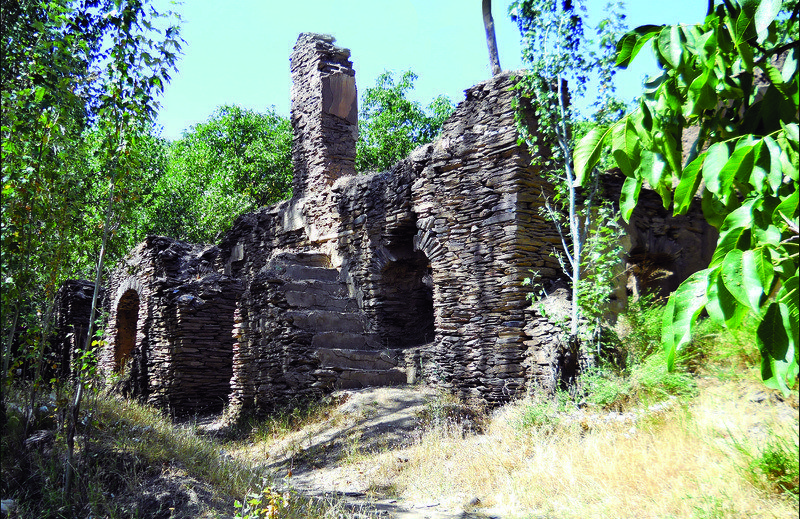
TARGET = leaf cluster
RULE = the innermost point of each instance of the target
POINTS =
(391, 125)
(236, 161)
(735, 81)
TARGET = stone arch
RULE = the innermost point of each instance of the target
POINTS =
(127, 304)
(126, 326)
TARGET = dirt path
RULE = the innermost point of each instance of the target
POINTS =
(327, 459)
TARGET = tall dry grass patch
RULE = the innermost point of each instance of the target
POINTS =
(681, 462)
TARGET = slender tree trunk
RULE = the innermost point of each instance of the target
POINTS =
(48, 322)
(491, 40)
(76, 404)
(574, 220)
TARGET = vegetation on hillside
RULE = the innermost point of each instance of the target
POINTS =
(391, 125)
(734, 78)
(641, 443)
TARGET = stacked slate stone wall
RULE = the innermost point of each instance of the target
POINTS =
(414, 273)
(477, 205)
(324, 113)
(431, 254)
(177, 352)
(71, 319)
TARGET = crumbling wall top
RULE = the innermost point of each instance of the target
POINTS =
(324, 113)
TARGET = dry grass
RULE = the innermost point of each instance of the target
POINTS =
(686, 461)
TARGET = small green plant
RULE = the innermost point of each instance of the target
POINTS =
(272, 503)
(544, 413)
(537, 289)
(778, 462)
(267, 504)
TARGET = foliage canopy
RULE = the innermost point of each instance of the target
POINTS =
(236, 161)
(734, 78)
(391, 125)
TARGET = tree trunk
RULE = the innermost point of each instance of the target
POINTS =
(491, 41)
(75, 408)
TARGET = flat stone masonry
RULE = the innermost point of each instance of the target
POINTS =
(411, 274)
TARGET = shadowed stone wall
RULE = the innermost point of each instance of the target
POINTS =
(71, 320)
(414, 273)
(172, 317)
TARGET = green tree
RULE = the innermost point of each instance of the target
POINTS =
(391, 126)
(734, 78)
(69, 67)
(557, 52)
(237, 161)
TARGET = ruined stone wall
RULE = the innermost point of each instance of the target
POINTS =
(477, 208)
(411, 273)
(427, 257)
(324, 113)
(176, 353)
(73, 307)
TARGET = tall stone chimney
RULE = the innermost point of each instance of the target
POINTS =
(324, 113)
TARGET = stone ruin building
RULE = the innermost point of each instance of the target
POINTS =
(411, 274)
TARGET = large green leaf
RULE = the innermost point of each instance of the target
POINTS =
(631, 43)
(731, 230)
(701, 93)
(765, 14)
(733, 276)
(761, 167)
(787, 89)
(587, 152)
(687, 187)
(629, 196)
(788, 295)
(748, 276)
(722, 307)
(774, 173)
(670, 45)
(778, 362)
(716, 158)
(739, 166)
(626, 148)
(787, 208)
(683, 309)
(744, 27)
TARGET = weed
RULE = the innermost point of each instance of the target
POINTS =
(544, 414)
(448, 410)
(271, 503)
(647, 382)
(775, 465)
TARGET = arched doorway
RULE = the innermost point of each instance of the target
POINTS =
(406, 301)
(126, 325)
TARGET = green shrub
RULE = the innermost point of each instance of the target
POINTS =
(645, 382)
(778, 462)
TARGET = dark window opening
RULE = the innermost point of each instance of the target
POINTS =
(405, 316)
(127, 319)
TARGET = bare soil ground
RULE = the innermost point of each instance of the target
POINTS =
(331, 458)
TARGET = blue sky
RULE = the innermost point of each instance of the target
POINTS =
(237, 51)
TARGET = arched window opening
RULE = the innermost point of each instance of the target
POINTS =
(127, 319)
(405, 314)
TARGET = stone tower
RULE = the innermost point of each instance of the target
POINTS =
(324, 113)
